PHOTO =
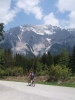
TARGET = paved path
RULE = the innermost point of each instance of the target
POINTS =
(20, 91)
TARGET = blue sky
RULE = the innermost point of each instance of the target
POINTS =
(55, 12)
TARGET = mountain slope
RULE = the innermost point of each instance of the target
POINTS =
(38, 39)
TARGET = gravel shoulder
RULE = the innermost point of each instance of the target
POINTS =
(10, 90)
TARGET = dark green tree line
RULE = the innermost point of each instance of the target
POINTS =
(1, 31)
(72, 61)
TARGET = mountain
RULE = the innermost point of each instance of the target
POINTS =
(38, 39)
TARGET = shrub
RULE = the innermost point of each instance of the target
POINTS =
(14, 71)
(59, 73)
(1, 72)
(41, 70)
(18, 70)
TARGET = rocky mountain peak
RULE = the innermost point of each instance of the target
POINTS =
(38, 39)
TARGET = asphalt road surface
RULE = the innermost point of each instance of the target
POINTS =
(21, 91)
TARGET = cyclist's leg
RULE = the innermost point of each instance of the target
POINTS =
(31, 80)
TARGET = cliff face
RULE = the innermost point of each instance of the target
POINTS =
(38, 39)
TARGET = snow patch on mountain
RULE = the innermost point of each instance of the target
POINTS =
(38, 39)
(48, 39)
(48, 32)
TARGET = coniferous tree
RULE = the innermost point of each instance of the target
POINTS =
(1, 31)
(34, 64)
(1, 36)
(72, 61)
(64, 58)
(56, 59)
(8, 58)
(44, 58)
(2, 60)
(49, 59)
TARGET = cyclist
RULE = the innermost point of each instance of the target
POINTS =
(31, 76)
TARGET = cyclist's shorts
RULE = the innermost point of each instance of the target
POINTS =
(31, 77)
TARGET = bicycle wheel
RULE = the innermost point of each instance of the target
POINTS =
(29, 83)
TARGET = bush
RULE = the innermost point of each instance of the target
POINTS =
(1, 72)
(17, 70)
(41, 70)
(59, 73)
(14, 71)
(8, 72)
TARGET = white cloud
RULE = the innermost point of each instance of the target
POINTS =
(6, 14)
(30, 6)
(50, 19)
(4, 7)
(10, 15)
(67, 5)
(64, 23)
(72, 19)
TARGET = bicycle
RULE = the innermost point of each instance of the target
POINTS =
(31, 84)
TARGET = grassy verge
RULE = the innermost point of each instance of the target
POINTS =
(70, 83)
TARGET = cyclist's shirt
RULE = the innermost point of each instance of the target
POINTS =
(31, 77)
